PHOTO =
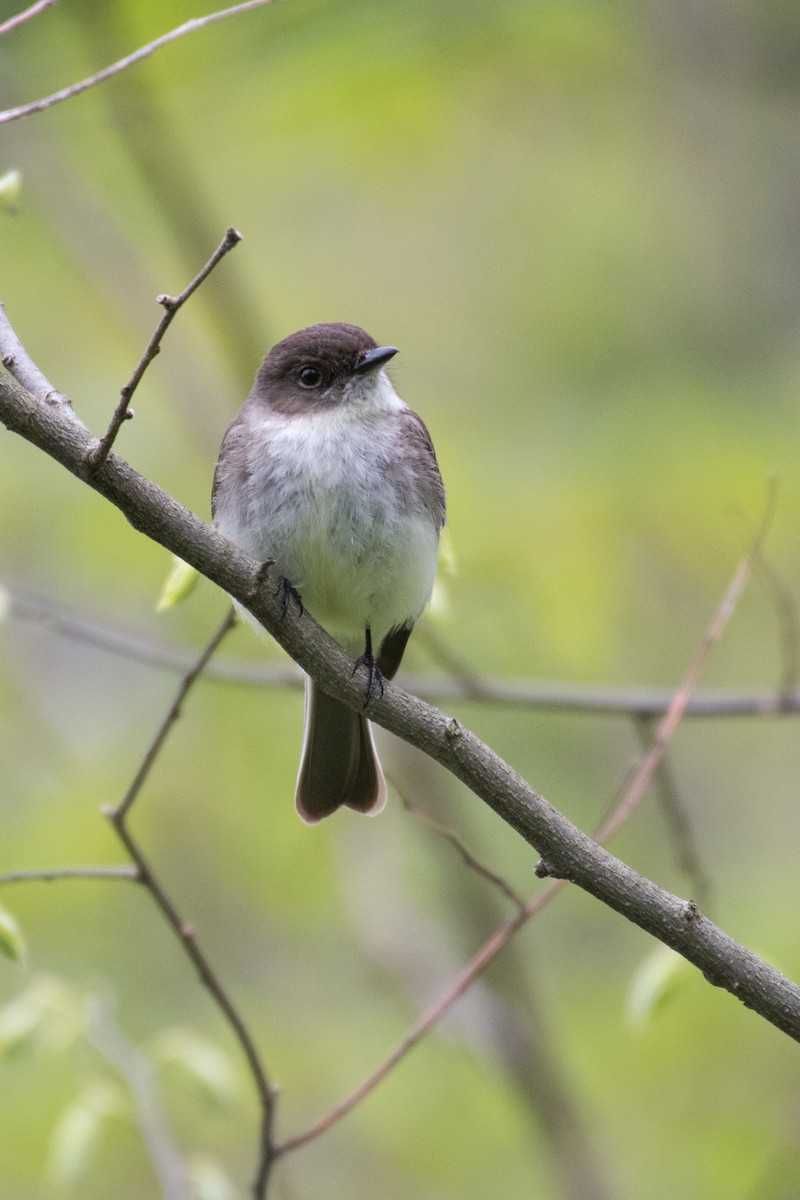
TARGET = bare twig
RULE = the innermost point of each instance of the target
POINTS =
(649, 763)
(458, 669)
(185, 932)
(210, 980)
(75, 89)
(672, 717)
(521, 693)
(431, 1017)
(118, 814)
(788, 623)
(138, 648)
(679, 823)
(468, 857)
(20, 18)
(52, 874)
(171, 305)
(135, 1068)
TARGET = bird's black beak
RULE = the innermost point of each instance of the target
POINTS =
(371, 360)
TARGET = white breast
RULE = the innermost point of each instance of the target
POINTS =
(327, 506)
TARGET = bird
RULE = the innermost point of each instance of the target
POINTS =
(327, 471)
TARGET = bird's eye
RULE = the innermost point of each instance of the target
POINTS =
(310, 377)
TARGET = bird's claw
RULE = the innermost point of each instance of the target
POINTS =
(288, 595)
(374, 677)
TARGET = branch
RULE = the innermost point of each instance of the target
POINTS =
(183, 931)
(51, 874)
(674, 714)
(75, 89)
(569, 851)
(171, 304)
(679, 824)
(20, 18)
(431, 1017)
(466, 855)
(786, 611)
(117, 815)
(634, 702)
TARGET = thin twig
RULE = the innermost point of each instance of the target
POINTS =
(184, 931)
(118, 814)
(519, 693)
(52, 874)
(679, 822)
(20, 18)
(468, 857)
(472, 685)
(208, 977)
(137, 647)
(75, 89)
(171, 304)
(430, 1017)
(135, 1068)
(788, 624)
(674, 714)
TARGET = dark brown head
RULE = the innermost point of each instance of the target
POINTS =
(318, 367)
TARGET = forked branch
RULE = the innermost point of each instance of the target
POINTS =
(171, 305)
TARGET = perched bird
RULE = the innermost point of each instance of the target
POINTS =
(328, 472)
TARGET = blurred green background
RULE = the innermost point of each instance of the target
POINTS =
(579, 221)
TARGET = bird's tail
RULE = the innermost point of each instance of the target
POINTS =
(339, 764)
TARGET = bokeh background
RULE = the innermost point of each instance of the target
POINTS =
(579, 221)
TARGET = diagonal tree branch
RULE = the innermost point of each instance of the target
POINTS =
(117, 815)
(647, 766)
(678, 822)
(465, 854)
(571, 853)
(22, 17)
(426, 1022)
(75, 89)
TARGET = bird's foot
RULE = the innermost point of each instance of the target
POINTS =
(288, 596)
(374, 676)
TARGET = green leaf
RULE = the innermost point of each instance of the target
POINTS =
(657, 980)
(208, 1069)
(12, 943)
(440, 606)
(10, 189)
(46, 1017)
(180, 583)
(208, 1180)
(20, 1022)
(78, 1129)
